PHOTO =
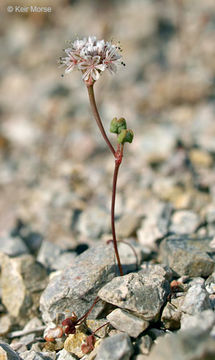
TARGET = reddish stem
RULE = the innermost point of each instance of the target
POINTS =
(118, 159)
(97, 118)
(100, 327)
(115, 176)
(82, 319)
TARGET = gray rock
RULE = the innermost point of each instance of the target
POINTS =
(32, 239)
(171, 317)
(76, 287)
(64, 355)
(158, 142)
(212, 333)
(94, 222)
(54, 257)
(211, 232)
(144, 344)
(196, 300)
(210, 220)
(117, 347)
(195, 281)
(48, 254)
(185, 345)
(127, 225)
(131, 254)
(5, 324)
(22, 281)
(203, 129)
(65, 259)
(212, 243)
(155, 225)
(142, 294)
(157, 269)
(204, 321)
(33, 324)
(187, 256)
(210, 284)
(13, 246)
(210, 215)
(184, 222)
(7, 353)
(36, 355)
(124, 321)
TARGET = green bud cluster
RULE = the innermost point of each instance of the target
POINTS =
(125, 136)
(119, 127)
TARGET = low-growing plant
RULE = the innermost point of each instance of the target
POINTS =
(92, 57)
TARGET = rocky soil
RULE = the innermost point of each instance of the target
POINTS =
(56, 175)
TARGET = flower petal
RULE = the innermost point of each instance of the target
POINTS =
(69, 68)
(95, 74)
(68, 51)
(86, 74)
(101, 67)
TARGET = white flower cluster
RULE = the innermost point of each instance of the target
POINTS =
(92, 57)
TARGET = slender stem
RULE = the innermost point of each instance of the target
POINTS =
(100, 327)
(134, 251)
(118, 158)
(97, 118)
(115, 175)
(82, 319)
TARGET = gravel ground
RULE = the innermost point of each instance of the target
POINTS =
(56, 176)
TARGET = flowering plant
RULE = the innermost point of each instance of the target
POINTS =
(92, 57)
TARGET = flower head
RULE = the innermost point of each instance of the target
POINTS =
(91, 57)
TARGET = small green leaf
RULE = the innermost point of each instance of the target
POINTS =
(117, 125)
(125, 136)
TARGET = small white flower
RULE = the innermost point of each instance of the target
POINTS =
(91, 67)
(111, 59)
(100, 46)
(92, 57)
(91, 39)
(71, 61)
(79, 44)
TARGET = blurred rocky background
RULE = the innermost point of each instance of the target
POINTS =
(55, 169)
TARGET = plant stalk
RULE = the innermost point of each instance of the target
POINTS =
(115, 176)
(83, 318)
(97, 117)
(118, 158)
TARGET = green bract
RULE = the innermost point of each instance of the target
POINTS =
(125, 136)
(116, 126)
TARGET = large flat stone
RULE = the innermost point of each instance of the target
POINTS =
(124, 321)
(185, 345)
(22, 281)
(187, 256)
(196, 300)
(137, 292)
(76, 287)
(117, 347)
